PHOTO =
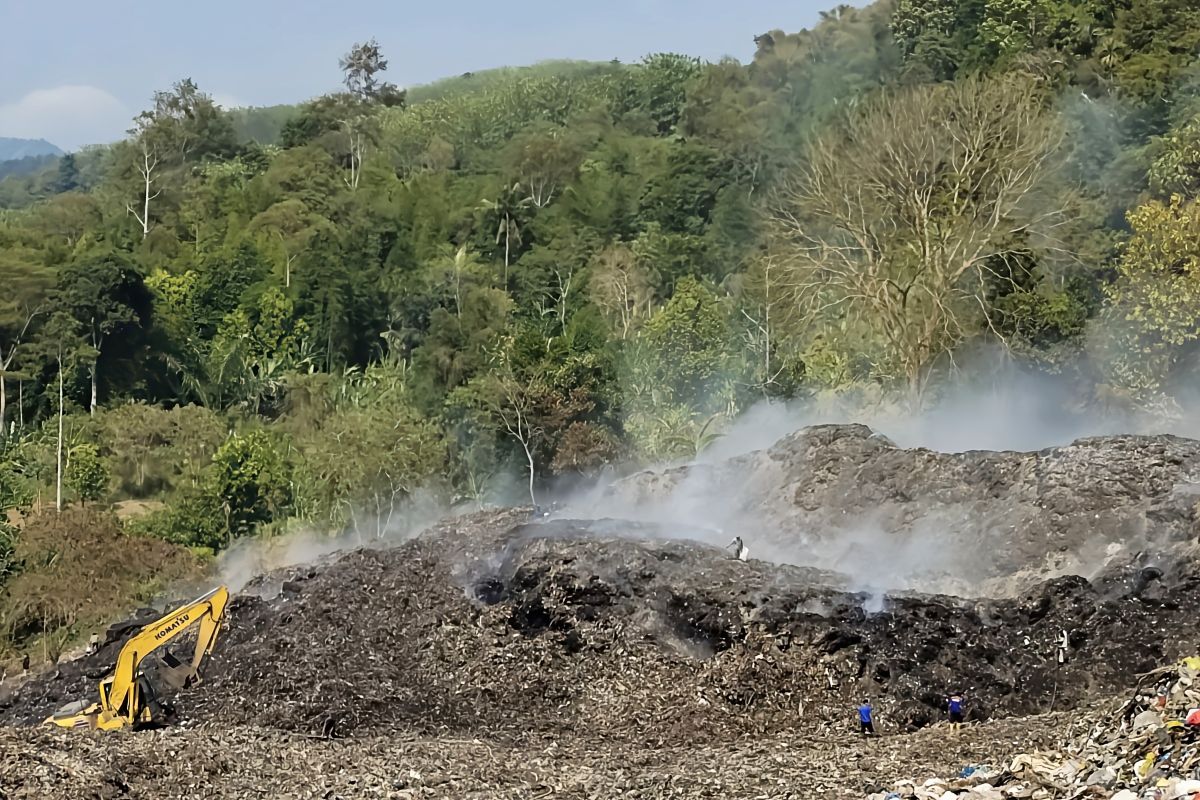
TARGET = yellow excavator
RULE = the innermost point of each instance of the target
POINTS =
(127, 698)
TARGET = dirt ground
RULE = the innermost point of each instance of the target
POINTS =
(248, 762)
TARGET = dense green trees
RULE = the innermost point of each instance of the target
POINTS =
(1156, 297)
(303, 316)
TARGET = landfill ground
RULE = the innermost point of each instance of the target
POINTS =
(254, 762)
(616, 650)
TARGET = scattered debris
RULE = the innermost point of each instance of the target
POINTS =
(250, 762)
(1144, 750)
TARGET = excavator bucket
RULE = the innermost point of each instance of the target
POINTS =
(79, 714)
(175, 674)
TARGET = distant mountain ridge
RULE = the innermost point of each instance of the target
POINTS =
(12, 149)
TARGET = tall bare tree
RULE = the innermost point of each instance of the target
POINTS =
(895, 216)
(58, 451)
(512, 401)
(766, 305)
(357, 138)
(622, 288)
(183, 124)
(147, 166)
(6, 361)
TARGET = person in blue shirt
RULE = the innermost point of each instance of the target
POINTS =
(864, 719)
(954, 704)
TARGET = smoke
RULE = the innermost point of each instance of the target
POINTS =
(950, 541)
(992, 406)
(246, 566)
(728, 491)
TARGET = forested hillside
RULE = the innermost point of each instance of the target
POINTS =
(555, 270)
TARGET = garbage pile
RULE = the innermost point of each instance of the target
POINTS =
(491, 625)
(1148, 749)
(481, 626)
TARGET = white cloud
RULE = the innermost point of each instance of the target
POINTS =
(68, 116)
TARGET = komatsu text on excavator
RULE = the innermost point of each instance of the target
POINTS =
(127, 698)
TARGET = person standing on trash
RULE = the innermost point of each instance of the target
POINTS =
(740, 551)
(954, 705)
(865, 722)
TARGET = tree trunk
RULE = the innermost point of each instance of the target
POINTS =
(529, 458)
(916, 388)
(507, 246)
(97, 341)
(4, 363)
(146, 203)
(391, 515)
(59, 454)
(767, 377)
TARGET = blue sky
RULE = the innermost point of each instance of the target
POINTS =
(76, 71)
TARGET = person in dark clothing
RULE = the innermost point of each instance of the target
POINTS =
(865, 722)
(954, 705)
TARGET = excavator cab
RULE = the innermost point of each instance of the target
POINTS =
(127, 696)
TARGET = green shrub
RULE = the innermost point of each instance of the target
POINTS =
(87, 473)
(193, 519)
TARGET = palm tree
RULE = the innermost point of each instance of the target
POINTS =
(1107, 52)
(509, 208)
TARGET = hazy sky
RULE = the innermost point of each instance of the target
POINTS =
(76, 71)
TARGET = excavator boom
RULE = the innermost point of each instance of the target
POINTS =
(126, 697)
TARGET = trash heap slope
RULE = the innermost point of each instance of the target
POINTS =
(486, 626)
(973, 523)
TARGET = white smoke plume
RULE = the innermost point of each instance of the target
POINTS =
(945, 551)
(251, 557)
(949, 549)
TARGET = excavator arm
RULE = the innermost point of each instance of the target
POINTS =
(125, 694)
